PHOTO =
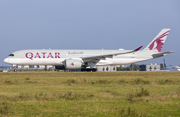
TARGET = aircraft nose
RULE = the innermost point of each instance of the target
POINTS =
(6, 60)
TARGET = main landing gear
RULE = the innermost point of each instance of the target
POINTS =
(88, 69)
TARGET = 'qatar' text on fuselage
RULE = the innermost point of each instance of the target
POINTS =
(30, 55)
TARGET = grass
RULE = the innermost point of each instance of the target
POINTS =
(90, 94)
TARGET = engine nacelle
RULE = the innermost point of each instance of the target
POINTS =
(73, 64)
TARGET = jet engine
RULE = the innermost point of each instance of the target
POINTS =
(73, 64)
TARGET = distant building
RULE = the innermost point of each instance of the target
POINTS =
(34, 66)
(107, 68)
(23, 66)
(151, 67)
(5, 68)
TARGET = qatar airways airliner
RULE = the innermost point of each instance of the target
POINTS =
(88, 59)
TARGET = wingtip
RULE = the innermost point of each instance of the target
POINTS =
(138, 48)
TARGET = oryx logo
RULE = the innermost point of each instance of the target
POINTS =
(72, 64)
(159, 42)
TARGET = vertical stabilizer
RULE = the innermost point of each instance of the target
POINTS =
(158, 42)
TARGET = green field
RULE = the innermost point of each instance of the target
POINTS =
(90, 94)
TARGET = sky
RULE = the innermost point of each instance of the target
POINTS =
(88, 24)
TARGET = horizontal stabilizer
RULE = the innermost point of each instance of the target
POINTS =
(162, 54)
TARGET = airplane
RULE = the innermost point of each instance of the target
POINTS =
(89, 59)
(173, 68)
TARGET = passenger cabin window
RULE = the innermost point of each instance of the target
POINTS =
(11, 55)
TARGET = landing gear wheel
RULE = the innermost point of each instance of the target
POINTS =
(83, 70)
(94, 70)
(89, 70)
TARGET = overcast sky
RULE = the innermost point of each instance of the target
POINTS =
(88, 24)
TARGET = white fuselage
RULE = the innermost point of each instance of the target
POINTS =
(56, 57)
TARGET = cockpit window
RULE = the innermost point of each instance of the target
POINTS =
(11, 55)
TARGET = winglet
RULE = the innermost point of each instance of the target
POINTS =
(138, 48)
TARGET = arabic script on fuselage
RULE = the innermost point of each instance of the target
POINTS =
(75, 52)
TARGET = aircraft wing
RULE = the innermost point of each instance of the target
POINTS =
(162, 54)
(109, 55)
